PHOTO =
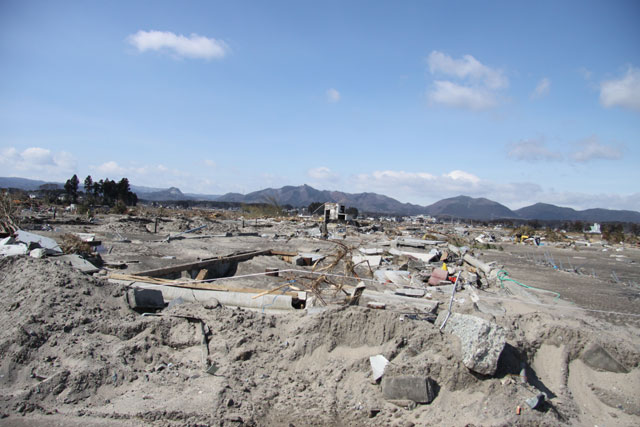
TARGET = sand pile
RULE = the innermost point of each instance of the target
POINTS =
(71, 349)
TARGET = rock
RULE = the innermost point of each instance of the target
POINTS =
(482, 341)
(418, 389)
(536, 401)
(38, 253)
(598, 358)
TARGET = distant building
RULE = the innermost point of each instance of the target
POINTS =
(595, 229)
(334, 212)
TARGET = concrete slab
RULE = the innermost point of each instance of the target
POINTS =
(79, 263)
(378, 365)
(50, 245)
(374, 260)
(13, 250)
(598, 358)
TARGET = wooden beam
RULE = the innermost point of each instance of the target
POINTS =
(209, 286)
(199, 265)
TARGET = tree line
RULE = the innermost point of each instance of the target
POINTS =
(103, 192)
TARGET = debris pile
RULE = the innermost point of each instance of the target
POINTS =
(376, 325)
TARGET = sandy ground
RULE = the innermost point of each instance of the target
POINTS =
(73, 352)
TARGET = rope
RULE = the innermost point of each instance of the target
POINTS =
(503, 276)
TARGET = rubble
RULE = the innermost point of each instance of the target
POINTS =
(203, 319)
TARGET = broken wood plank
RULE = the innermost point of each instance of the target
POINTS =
(270, 291)
(202, 274)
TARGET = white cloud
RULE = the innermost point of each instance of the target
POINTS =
(37, 156)
(333, 95)
(455, 95)
(37, 163)
(466, 68)
(323, 173)
(591, 149)
(210, 163)
(194, 46)
(412, 184)
(470, 84)
(111, 168)
(623, 92)
(458, 175)
(542, 89)
(532, 150)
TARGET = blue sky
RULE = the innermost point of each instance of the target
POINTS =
(515, 101)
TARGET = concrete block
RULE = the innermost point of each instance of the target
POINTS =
(416, 388)
(145, 298)
(482, 341)
(598, 358)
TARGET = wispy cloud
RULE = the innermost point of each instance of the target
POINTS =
(403, 182)
(591, 149)
(542, 89)
(178, 45)
(469, 84)
(582, 151)
(159, 176)
(622, 92)
(466, 68)
(532, 150)
(333, 95)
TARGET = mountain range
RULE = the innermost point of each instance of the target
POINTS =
(463, 207)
